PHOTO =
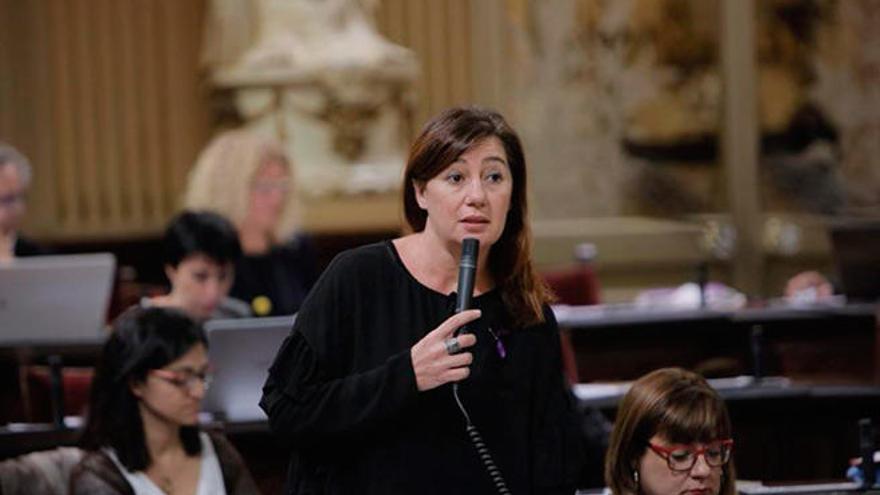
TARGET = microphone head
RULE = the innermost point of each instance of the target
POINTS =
(469, 248)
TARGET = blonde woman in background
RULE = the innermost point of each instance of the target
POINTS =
(248, 178)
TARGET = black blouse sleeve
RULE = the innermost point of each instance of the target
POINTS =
(559, 453)
(312, 394)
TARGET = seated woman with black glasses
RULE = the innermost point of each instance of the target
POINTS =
(142, 435)
(672, 435)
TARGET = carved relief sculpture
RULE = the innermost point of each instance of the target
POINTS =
(318, 75)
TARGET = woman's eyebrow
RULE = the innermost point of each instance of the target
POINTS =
(495, 158)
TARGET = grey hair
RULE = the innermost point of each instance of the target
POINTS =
(11, 156)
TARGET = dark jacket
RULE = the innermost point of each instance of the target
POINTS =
(96, 474)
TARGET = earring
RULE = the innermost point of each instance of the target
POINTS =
(636, 477)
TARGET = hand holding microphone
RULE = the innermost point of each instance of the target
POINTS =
(432, 362)
(437, 358)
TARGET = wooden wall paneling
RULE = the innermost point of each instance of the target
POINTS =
(127, 78)
(437, 34)
(68, 207)
(187, 119)
(87, 167)
(42, 151)
(490, 71)
(415, 40)
(6, 70)
(150, 103)
(176, 143)
(459, 44)
(391, 20)
(108, 134)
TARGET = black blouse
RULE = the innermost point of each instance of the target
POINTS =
(282, 277)
(342, 391)
(25, 247)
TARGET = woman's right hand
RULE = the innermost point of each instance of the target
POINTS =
(433, 364)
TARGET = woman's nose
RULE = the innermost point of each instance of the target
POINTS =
(475, 192)
(701, 468)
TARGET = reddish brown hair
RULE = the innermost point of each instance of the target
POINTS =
(679, 405)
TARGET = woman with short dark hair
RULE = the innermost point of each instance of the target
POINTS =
(200, 249)
(142, 433)
(672, 435)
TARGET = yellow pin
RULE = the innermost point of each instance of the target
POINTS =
(261, 305)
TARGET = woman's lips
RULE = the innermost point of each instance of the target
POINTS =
(475, 220)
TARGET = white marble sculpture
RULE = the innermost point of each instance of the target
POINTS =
(319, 75)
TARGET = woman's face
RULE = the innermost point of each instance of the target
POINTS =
(199, 283)
(268, 195)
(657, 478)
(174, 393)
(471, 197)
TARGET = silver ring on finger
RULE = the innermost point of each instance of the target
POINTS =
(452, 345)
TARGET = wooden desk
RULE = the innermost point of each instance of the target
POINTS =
(835, 345)
(12, 358)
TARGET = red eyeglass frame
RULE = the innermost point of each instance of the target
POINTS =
(666, 452)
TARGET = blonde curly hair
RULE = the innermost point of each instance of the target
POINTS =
(221, 178)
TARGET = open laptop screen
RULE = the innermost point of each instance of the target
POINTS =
(48, 300)
(241, 351)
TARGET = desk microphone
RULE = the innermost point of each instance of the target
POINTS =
(467, 272)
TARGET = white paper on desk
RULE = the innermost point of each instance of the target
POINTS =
(587, 391)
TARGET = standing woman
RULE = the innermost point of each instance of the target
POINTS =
(142, 435)
(247, 178)
(672, 435)
(362, 388)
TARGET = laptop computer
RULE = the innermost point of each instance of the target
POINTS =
(856, 251)
(49, 300)
(241, 351)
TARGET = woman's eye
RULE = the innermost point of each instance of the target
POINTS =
(454, 178)
(680, 455)
(201, 276)
(495, 177)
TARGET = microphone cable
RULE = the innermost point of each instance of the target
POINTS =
(482, 448)
(467, 269)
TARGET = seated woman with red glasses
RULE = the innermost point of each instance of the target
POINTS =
(672, 435)
(142, 435)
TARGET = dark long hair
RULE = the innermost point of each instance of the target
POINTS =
(678, 404)
(142, 340)
(442, 141)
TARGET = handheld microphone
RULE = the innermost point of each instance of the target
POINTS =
(467, 272)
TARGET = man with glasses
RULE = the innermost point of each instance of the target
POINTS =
(15, 178)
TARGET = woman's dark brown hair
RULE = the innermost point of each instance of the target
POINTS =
(142, 340)
(442, 141)
(675, 403)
